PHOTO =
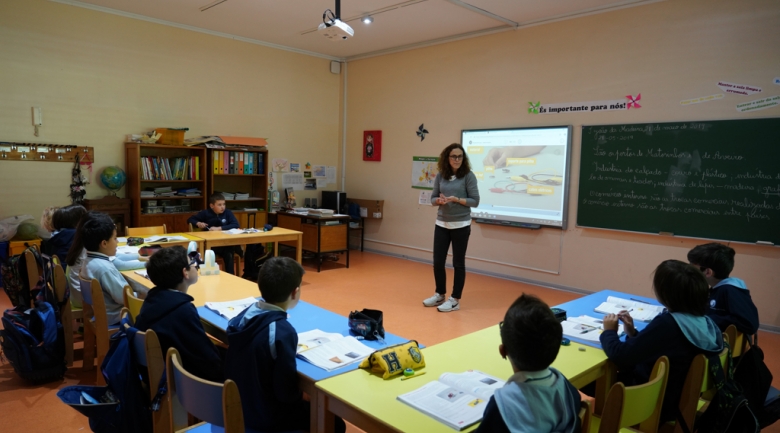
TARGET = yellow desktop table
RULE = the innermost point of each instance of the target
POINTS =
(370, 403)
(184, 243)
(278, 234)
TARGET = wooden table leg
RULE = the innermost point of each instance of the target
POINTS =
(326, 421)
(299, 251)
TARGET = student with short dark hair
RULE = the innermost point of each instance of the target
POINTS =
(536, 397)
(168, 310)
(681, 333)
(729, 298)
(97, 234)
(218, 217)
(261, 353)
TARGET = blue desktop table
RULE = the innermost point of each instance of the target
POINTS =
(587, 304)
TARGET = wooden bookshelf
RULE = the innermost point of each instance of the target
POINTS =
(137, 181)
(255, 183)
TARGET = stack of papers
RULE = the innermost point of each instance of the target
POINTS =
(330, 351)
(163, 238)
(142, 272)
(639, 310)
(230, 309)
(585, 328)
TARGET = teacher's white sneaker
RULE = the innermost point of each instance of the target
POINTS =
(451, 304)
(433, 301)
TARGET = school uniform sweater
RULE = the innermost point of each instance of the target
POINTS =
(261, 360)
(730, 302)
(172, 316)
(99, 267)
(226, 219)
(59, 244)
(678, 336)
(531, 402)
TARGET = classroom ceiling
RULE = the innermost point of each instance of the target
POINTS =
(397, 25)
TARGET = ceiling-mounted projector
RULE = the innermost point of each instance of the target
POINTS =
(336, 30)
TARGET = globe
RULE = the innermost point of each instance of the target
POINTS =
(113, 178)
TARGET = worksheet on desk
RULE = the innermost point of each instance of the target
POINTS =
(585, 328)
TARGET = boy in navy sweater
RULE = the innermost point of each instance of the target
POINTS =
(261, 353)
(168, 310)
(215, 218)
(681, 333)
(537, 397)
(730, 300)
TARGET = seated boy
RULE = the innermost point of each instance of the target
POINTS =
(97, 234)
(217, 217)
(168, 310)
(537, 397)
(730, 300)
(261, 353)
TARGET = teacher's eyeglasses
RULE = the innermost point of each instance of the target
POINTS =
(456, 157)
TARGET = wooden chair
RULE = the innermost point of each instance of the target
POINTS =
(96, 330)
(215, 403)
(638, 405)
(584, 415)
(132, 302)
(33, 273)
(68, 313)
(146, 231)
(236, 259)
(149, 354)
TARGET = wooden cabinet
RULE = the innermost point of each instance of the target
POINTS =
(119, 209)
(320, 234)
(146, 168)
(251, 211)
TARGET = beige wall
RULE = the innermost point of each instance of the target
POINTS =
(99, 76)
(667, 51)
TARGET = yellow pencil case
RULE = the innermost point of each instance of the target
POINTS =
(393, 360)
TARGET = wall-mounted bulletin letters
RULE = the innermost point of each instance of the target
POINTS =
(704, 179)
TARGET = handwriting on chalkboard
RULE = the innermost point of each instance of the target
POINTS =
(708, 178)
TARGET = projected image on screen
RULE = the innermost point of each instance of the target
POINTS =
(522, 175)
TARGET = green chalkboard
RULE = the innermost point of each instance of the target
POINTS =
(705, 179)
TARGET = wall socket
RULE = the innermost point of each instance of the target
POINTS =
(377, 214)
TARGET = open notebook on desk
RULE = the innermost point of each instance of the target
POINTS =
(330, 351)
(638, 310)
(585, 328)
(456, 399)
(230, 309)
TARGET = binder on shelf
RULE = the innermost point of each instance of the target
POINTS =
(216, 162)
(240, 162)
(225, 162)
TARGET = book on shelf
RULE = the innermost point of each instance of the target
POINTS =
(230, 309)
(330, 351)
(240, 163)
(639, 310)
(456, 399)
(585, 328)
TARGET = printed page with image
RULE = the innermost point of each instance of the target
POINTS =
(336, 353)
(637, 309)
(456, 399)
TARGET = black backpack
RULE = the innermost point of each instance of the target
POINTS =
(254, 257)
(729, 411)
(15, 281)
(755, 379)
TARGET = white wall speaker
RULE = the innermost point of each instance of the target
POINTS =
(335, 67)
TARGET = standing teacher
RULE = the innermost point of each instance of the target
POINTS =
(455, 191)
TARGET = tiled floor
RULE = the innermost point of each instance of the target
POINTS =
(395, 286)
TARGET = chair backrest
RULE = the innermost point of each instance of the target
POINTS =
(132, 302)
(737, 341)
(145, 231)
(66, 315)
(215, 403)
(584, 415)
(92, 293)
(692, 388)
(636, 405)
(33, 272)
(708, 383)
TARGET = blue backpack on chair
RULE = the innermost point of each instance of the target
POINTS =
(123, 405)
